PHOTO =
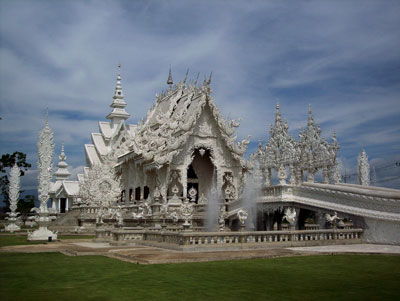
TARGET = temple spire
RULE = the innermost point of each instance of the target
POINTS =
(118, 105)
(170, 81)
(62, 172)
(278, 116)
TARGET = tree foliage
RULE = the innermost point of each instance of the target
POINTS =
(24, 207)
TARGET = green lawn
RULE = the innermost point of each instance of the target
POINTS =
(53, 276)
(13, 240)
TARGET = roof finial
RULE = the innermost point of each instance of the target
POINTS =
(209, 79)
(278, 117)
(62, 156)
(169, 81)
(310, 116)
(187, 72)
(62, 172)
(118, 105)
(47, 116)
(197, 78)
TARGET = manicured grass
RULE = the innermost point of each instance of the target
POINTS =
(13, 240)
(53, 276)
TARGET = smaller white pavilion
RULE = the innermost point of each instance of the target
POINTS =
(63, 193)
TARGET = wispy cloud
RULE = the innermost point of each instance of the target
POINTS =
(341, 57)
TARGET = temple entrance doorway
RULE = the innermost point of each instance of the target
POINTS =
(63, 203)
(200, 174)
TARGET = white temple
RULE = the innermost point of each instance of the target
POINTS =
(182, 169)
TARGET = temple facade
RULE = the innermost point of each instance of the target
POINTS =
(182, 168)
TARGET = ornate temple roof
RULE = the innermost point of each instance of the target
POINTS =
(164, 132)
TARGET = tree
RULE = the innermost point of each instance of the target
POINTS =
(6, 161)
(24, 207)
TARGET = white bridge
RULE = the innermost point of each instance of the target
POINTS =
(374, 209)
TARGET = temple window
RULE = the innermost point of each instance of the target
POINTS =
(137, 194)
(146, 192)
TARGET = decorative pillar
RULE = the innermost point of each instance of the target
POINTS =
(45, 165)
(13, 195)
(363, 169)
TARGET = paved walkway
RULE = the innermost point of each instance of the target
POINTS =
(150, 255)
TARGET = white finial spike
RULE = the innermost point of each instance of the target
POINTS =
(47, 116)
(197, 78)
(187, 72)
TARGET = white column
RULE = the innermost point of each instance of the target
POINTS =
(66, 204)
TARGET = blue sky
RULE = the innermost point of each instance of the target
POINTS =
(342, 57)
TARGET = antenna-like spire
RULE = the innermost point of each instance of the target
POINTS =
(170, 81)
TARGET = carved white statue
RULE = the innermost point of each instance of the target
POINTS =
(187, 210)
(334, 219)
(290, 216)
(242, 216)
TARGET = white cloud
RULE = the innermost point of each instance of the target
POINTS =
(341, 57)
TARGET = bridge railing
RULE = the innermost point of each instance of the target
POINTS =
(237, 239)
